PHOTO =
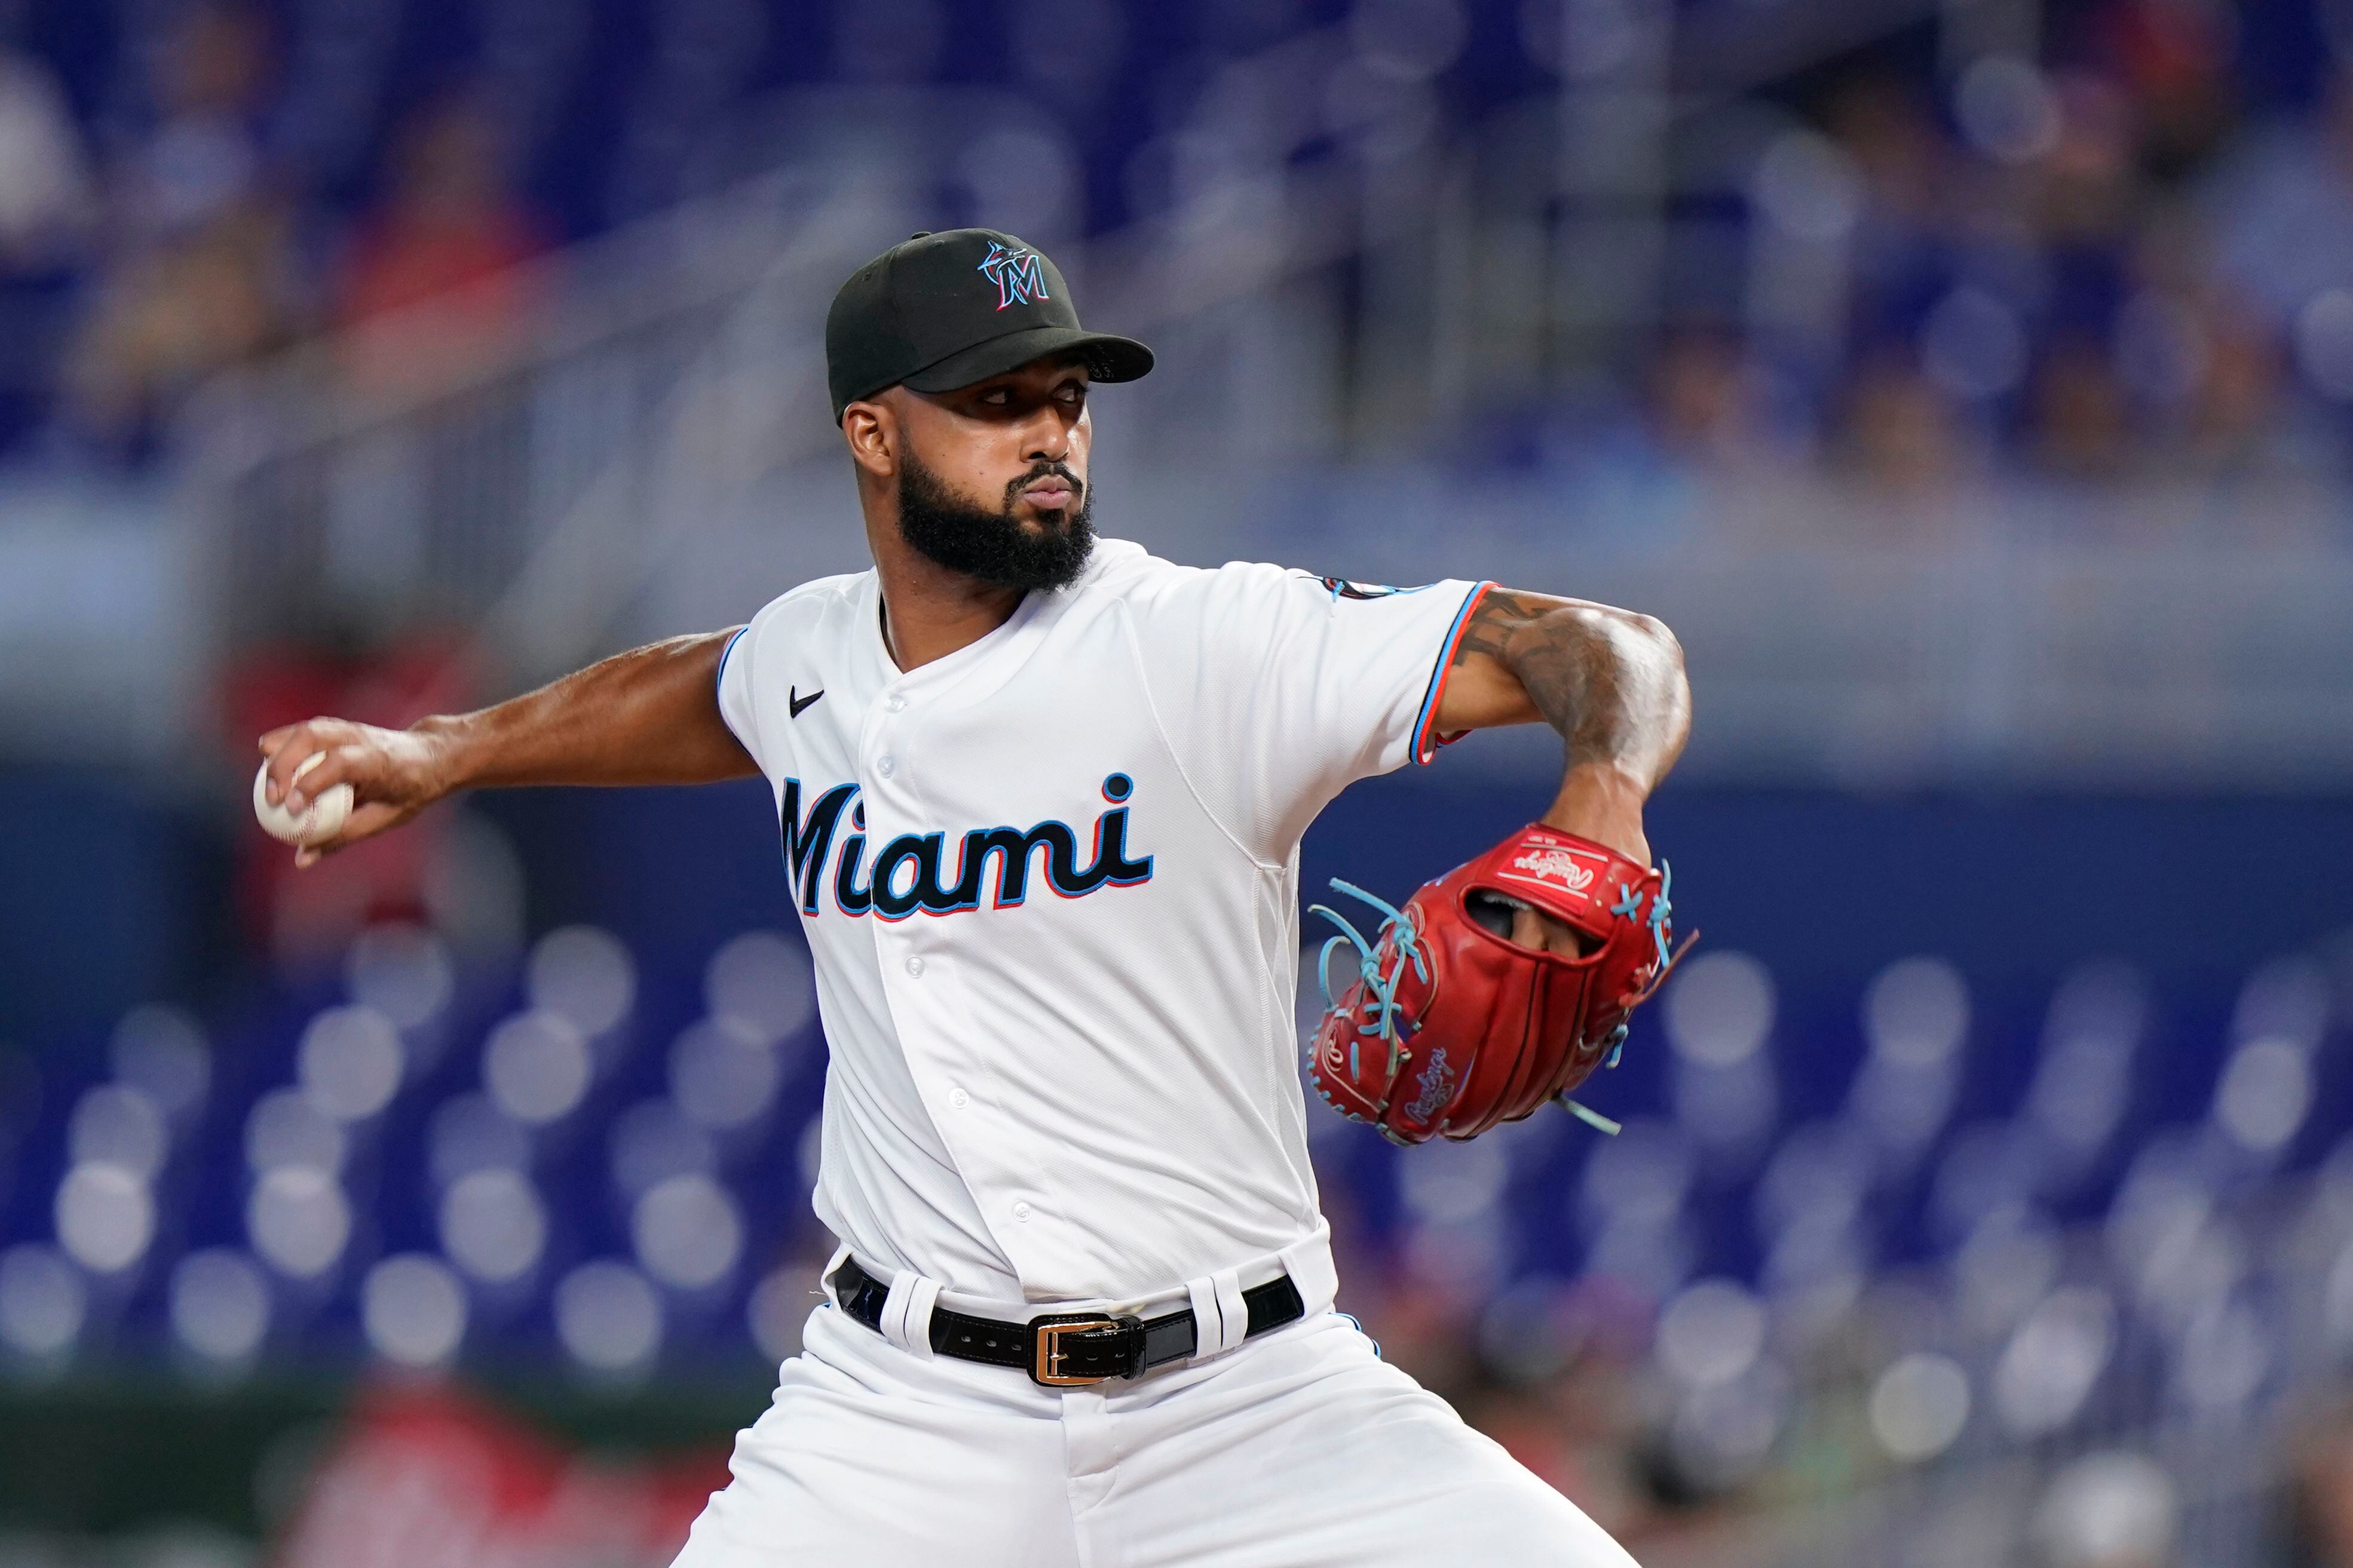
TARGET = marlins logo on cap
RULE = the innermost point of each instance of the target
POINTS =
(1016, 273)
(912, 317)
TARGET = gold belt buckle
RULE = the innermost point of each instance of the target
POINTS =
(1048, 1370)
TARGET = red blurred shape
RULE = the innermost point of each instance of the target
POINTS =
(427, 1478)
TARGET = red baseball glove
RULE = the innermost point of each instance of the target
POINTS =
(1449, 1026)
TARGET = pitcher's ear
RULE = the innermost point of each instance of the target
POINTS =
(871, 428)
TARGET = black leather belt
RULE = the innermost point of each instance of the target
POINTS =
(1066, 1350)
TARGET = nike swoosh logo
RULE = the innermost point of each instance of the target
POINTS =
(795, 702)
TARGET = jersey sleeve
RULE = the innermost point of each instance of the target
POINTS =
(1283, 687)
(736, 707)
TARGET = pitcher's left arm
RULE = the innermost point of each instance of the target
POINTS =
(1610, 681)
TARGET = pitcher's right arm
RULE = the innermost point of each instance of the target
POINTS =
(650, 716)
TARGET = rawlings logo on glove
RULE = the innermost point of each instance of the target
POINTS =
(1449, 1026)
(1553, 866)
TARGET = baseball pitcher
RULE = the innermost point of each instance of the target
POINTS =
(1038, 798)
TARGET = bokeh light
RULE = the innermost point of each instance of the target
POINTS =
(687, 1232)
(350, 1062)
(220, 1306)
(1719, 1008)
(288, 1130)
(299, 1220)
(585, 976)
(608, 1318)
(760, 983)
(493, 1226)
(401, 972)
(1711, 1332)
(536, 1066)
(1919, 1405)
(105, 1216)
(120, 1126)
(412, 1310)
(43, 1302)
(2051, 1362)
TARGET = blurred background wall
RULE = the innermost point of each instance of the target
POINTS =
(1969, 383)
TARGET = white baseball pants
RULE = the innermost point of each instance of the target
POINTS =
(1300, 1448)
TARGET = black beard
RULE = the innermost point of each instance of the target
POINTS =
(995, 547)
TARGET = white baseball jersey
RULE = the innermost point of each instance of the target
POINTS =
(1049, 885)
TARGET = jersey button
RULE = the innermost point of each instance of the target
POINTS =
(886, 766)
(915, 967)
(959, 1099)
(1021, 1212)
(897, 704)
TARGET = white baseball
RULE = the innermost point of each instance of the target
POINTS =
(321, 820)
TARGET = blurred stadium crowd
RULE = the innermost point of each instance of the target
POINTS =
(2125, 252)
(1982, 1255)
(2019, 1267)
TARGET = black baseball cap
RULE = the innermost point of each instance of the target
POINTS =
(943, 310)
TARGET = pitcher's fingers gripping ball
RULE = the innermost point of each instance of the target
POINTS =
(1449, 1026)
(320, 819)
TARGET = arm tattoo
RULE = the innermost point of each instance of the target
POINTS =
(1610, 682)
